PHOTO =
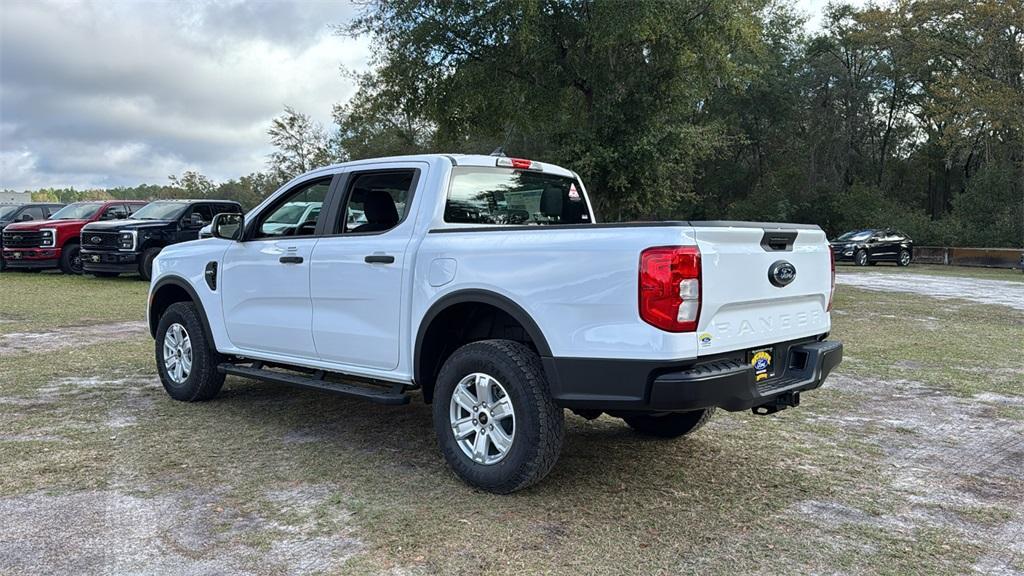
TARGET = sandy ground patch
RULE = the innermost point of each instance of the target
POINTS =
(944, 455)
(978, 290)
(113, 532)
(36, 342)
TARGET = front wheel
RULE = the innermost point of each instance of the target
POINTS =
(669, 425)
(146, 263)
(496, 422)
(861, 258)
(904, 258)
(185, 360)
(71, 260)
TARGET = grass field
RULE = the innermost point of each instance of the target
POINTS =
(909, 461)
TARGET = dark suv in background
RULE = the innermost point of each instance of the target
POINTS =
(870, 246)
(10, 213)
(112, 248)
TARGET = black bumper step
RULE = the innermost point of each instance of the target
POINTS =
(316, 382)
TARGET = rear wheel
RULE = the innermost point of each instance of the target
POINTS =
(904, 258)
(861, 258)
(71, 259)
(669, 425)
(496, 423)
(186, 361)
(146, 263)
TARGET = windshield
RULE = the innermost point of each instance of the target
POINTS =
(160, 211)
(77, 211)
(7, 211)
(502, 196)
(856, 235)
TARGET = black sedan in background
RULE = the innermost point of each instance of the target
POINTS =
(870, 246)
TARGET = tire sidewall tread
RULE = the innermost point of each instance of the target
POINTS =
(540, 423)
(204, 381)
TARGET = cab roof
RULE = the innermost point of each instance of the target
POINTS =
(455, 159)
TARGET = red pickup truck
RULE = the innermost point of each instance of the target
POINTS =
(54, 242)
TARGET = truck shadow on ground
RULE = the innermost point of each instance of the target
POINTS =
(603, 455)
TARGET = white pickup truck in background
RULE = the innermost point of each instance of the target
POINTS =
(487, 284)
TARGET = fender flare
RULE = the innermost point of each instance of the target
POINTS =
(474, 295)
(179, 282)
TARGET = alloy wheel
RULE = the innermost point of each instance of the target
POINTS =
(177, 353)
(482, 418)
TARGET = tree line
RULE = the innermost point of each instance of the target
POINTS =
(908, 114)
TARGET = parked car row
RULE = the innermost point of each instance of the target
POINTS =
(103, 237)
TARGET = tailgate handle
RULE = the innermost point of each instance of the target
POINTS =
(778, 240)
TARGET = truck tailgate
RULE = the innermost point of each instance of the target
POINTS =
(742, 307)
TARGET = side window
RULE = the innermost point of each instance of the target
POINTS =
(132, 208)
(114, 212)
(297, 214)
(202, 214)
(35, 213)
(377, 201)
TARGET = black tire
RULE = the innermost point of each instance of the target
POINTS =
(669, 425)
(203, 381)
(861, 258)
(539, 423)
(903, 259)
(71, 259)
(146, 263)
(105, 274)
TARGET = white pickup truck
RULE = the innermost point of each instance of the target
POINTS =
(487, 284)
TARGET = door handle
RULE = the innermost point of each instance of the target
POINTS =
(290, 259)
(379, 259)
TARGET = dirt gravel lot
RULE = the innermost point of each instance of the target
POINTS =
(909, 461)
(982, 290)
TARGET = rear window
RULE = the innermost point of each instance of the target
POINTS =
(482, 195)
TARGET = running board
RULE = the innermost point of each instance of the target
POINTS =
(316, 382)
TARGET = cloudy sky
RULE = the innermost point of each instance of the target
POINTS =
(118, 92)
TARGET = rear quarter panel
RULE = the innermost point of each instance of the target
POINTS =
(578, 284)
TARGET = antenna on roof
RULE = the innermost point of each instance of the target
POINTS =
(500, 150)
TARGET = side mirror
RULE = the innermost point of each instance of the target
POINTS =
(227, 225)
(26, 217)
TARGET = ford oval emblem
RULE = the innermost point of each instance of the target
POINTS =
(781, 273)
(96, 240)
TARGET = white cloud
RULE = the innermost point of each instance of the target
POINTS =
(119, 93)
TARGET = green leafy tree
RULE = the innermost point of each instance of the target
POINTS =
(301, 143)
(617, 91)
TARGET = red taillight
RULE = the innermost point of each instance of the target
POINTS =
(670, 287)
(832, 289)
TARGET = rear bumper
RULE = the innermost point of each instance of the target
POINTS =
(109, 261)
(31, 257)
(727, 381)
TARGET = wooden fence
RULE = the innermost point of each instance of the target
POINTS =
(987, 257)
